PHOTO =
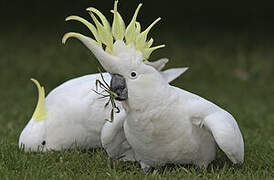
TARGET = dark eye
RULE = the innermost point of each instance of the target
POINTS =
(133, 74)
(43, 143)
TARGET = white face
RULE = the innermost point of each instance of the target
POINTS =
(33, 137)
(139, 78)
(138, 75)
(142, 76)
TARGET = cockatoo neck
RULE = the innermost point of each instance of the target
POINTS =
(146, 95)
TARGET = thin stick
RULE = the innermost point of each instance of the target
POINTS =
(110, 94)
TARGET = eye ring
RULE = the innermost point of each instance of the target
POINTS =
(43, 143)
(133, 74)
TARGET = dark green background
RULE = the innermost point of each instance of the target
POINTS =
(228, 46)
(241, 15)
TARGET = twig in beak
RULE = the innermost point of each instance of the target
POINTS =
(108, 93)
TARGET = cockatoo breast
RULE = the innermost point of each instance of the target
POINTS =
(164, 134)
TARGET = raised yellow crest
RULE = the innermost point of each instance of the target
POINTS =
(40, 111)
(105, 34)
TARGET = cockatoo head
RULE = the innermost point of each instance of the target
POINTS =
(34, 134)
(122, 51)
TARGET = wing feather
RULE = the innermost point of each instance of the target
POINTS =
(227, 134)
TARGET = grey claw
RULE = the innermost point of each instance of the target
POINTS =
(145, 167)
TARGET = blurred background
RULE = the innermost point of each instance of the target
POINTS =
(195, 32)
(227, 45)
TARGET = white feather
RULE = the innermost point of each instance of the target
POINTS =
(227, 135)
(164, 124)
(75, 117)
(172, 132)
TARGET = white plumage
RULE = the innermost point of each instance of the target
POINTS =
(75, 115)
(182, 129)
(164, 124)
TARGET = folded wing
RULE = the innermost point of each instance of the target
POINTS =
(227, 134)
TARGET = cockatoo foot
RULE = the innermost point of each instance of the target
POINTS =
(145, 167)
(202, 165)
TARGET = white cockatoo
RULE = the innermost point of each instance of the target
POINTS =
(163, 124)
(73, 114)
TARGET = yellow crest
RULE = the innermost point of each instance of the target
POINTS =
(40, 111)
(105, 34)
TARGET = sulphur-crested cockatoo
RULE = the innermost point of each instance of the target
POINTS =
(73, 114)
(163, 124)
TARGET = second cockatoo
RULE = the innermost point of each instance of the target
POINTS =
(73, 114)
(163, 124)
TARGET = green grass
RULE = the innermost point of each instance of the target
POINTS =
(234, 70)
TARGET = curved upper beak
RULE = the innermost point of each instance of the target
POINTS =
(118, 85)
(109, 62)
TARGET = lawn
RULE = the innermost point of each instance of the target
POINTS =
(233, 69)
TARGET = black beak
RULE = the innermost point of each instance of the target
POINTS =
(119, 86)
